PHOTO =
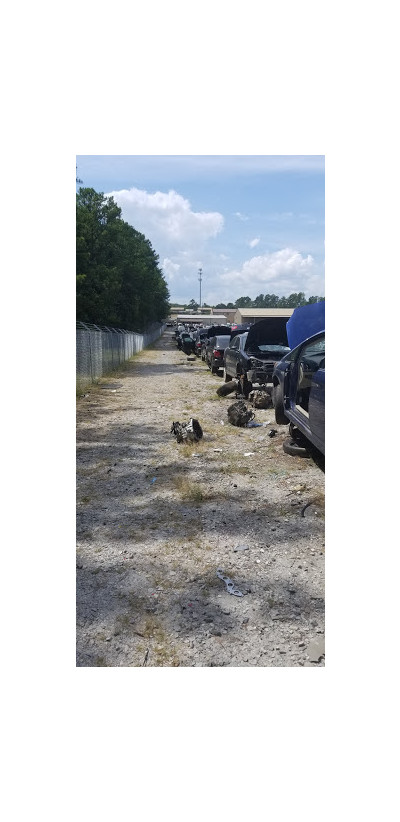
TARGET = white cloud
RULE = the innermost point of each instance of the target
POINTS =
(282, 272)
(167, 218)
(240, 216)
(253, 243)
(170, 269)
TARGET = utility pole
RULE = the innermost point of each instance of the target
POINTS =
(200, 270)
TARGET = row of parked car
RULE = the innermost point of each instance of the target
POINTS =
(285, 357)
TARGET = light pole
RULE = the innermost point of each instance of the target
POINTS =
(200, 270)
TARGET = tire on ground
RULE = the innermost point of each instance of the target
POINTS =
(277, 401)
(294, 448)
(227, 388)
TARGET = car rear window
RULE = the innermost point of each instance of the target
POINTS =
(222, 340)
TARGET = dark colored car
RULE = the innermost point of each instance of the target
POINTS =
(264, 346)
(213, 331)
(298, 392)
(185, 342)
(233, 356)
(198, 337)
(214, 352)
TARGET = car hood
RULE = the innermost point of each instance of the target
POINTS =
(305, 322)
(270, 331)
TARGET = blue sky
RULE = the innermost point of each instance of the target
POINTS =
(254, 224)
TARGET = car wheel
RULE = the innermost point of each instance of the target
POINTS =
(294, 448)
(277, 401)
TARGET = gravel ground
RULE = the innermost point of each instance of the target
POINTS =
(156, 520)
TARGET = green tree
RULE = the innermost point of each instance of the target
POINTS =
(243, 302)
(271, 301)
(119, 281)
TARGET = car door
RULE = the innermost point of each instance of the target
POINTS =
(231, 355)
(209, 348)
(306, 389)
(317, 407)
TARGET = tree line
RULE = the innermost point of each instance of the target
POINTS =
(272, 301)
(262, 301)
(118, 278)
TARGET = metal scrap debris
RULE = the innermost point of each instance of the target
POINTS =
(230, 585)
(239, 414)
(187, 431)
(260, 399)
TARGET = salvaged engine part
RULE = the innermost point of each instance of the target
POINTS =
(260, 399)
(239, 414)
(227, 388)
(230, 585)
(187, 431)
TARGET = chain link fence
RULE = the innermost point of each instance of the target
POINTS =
(101, 349)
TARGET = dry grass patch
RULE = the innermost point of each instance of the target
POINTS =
(187, 449)
(161, 652)
(234, 469)
(190, 491)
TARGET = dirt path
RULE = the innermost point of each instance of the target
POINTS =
(156, 520)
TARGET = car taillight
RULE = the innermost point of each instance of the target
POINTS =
(217, 353)
(198, 345)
